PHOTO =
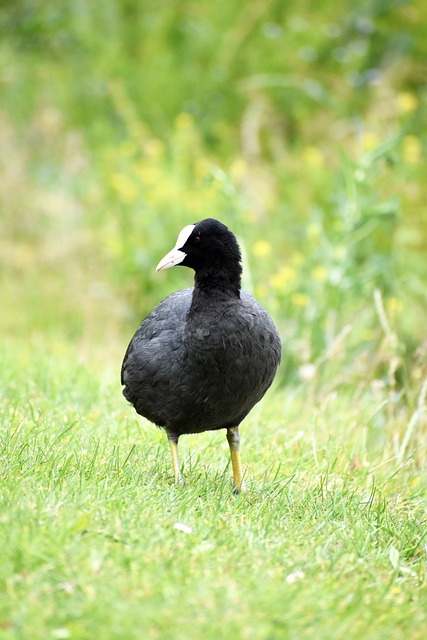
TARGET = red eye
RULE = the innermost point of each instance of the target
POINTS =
(196, 239)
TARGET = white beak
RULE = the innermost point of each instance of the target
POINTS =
(171, 259)
(176, 255)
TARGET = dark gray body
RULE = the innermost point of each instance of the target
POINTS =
(200, 371)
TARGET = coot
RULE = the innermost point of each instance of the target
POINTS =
(206, 355)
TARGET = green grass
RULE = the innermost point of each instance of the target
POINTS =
(328, 542)
(302, 127)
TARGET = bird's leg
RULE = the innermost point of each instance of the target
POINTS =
(173, 444)
(233, 438)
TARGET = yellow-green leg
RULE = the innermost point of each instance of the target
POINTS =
(233, 438)
(173, 444)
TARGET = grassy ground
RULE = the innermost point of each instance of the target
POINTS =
(303, 127)
(328, 542)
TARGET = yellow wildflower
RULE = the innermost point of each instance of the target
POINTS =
(312, 156)
(369, 140)
(319, 273)
(394, 305)
(411, 149)
(261, 248)
(406, 102)
(299, 299)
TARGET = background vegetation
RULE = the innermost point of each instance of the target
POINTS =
(302, 126)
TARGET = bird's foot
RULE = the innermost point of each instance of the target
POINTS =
(239, 489)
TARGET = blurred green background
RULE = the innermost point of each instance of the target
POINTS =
(301, 125)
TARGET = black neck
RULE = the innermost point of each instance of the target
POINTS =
(217, 284)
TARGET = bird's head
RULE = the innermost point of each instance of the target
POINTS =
(208, 244)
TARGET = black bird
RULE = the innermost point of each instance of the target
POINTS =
(204, 356)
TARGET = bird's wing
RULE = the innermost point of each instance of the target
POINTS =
(163, 326)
